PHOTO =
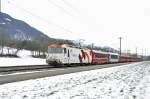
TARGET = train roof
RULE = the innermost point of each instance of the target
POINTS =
(62, 46)
(55, 46)
(110, 53)
(131, 56)
(113, 53)
(99, 51)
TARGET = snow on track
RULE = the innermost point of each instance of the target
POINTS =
(123, 82)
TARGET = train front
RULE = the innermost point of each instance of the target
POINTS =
(56, 54)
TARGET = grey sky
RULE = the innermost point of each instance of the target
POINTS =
(97, 21)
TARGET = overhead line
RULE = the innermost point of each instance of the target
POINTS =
(47, 21)
(77, 11)
(72, 7)
(65, 11)
(55, 4)
(69, 4)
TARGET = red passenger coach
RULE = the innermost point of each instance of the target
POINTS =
(130, 59)
(99, 57)
(124, 59)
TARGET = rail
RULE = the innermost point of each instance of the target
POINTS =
(23, 67)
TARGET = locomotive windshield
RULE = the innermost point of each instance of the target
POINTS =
(55, 50)
(114, 56)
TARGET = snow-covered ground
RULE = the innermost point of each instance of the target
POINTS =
(25, 59)
(21, 61)
(123, 82)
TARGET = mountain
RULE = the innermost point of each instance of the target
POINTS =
(17, 34)
(19, 30)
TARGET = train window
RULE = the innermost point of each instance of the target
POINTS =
(55, 50)
(114, 56)
(65, 50)
(103, 55)
(99, 55)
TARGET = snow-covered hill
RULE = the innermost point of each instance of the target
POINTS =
(123, 82)
(17, 29)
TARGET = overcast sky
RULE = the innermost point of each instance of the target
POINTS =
(97, 21)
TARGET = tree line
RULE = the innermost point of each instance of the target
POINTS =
(38, 45)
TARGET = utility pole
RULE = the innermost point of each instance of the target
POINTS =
(136, 51)
(120, 38)
(142, 52)
(92, 45)
(81, 42)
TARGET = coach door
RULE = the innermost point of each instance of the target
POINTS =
(65, 57)
(68, 54)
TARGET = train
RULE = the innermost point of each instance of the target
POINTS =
(63, 54)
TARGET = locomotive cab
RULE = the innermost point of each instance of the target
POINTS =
(57, 55)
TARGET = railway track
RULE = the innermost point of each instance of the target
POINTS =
(47, 72)
(14, 77)
(23, 68)
(10, 69)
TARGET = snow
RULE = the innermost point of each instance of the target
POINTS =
(8, 49)
(21, 61)
(25, 59)
(2, 23)
(24, 54)
(123, 82)
(8, 19)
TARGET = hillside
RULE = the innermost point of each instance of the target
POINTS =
(17, 34)
(17, 29)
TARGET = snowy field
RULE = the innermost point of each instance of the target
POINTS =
(123, 82)
(25, 59)
(21, 61)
